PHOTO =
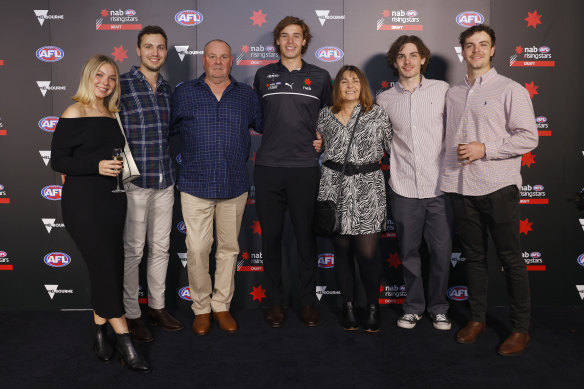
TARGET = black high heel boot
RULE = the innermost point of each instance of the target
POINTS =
(372, 318)
(349, 321)
(101, 345)
(129, 356)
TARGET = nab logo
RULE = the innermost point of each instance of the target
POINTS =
(581, 260)
(130, 12)
(326, 260)
(411, 13)
(458, 293)
(182, 227)
(185, 293)
(50, 54)
(329, 54)
(52, 192)
(541, 119)
(188, 18)
(469, 18)
(57, 259)
(538, 188)
(48, 123)
(544, 49)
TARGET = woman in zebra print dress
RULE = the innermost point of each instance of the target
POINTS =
(362, 207)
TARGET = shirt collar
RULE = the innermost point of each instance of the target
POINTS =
(482, 79)
(201, 80)
(403, 90)
(135, 71)
(282, 67)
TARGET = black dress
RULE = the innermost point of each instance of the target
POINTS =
(93, 215)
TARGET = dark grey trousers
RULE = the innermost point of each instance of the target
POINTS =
(431, 219)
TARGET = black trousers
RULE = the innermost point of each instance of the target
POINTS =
(295, 189)
(498, 213)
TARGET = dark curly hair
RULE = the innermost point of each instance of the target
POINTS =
(396, 46)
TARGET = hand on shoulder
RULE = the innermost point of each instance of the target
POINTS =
(74, 111)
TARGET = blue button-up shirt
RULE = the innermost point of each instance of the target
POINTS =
(215, 137)
(146, 117)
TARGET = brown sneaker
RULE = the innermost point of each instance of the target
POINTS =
(514, 344)
(470, 332)
(139, 331)
(202, 324)
(226, 321)
(161, 317)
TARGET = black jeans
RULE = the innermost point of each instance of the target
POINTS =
(295, 189)
(497, 212)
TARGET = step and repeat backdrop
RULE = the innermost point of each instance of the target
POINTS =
(45, 44)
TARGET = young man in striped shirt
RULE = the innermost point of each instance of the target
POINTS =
(415, 106)
(490, 124)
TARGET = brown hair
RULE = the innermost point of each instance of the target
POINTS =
(473, 30)
(152, 30)
(365, 97)
(288, 20)
(396, 46)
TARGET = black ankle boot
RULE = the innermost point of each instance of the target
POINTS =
(349, 321)
(101, 345)
(129, 356)
(372, 318)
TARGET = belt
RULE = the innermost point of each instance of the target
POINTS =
(352, 169)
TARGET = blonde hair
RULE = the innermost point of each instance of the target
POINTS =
(85, 93)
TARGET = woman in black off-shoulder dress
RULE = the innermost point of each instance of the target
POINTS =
(82, 148)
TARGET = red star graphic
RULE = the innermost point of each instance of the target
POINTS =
(385, 13)
(245, 255)
(307, 81)
(519, 49)
(380, 288)
(533, 19)
(245, 48)
(104, 13)
(384, 84)
(256, 228)
(267, 85)
(119, 53)
(258, 18)
(532, 88)
(258, 293)
(528, 159)
(525, 226)
(393, 260)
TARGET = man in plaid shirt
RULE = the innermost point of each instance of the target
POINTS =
(145, 112)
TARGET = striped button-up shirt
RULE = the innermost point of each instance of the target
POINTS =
(215, 137)
(498, 112)
(417, 148)
(146, 117)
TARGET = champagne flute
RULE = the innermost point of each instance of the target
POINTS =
(117, 156)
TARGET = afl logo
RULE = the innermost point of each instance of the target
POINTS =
(3, 254)
(57, 259)
(326, 260)
(535, 254)
(179, 159)
(538, 188)
(48, 123)
(469, 18)
(581, 260)
(544, 49)
(185, 293)
(50, 54)
(130, 12)
(412, 13)
(182, 227)
(458, 293)
(329, 54)
(52, 192)
(188, 18)
(541, 119)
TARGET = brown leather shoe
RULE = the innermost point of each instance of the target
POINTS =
(309, 315)
(470, 332)
(161, 317)
(202, 324)
(139, 331)
(275, 316)
(226, 321)
(514, 344)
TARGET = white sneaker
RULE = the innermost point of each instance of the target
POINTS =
(408, 320)
(441, 321)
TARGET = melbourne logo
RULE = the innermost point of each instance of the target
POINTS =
(329, 54)
(52, 290)
(43, 14)
(46, 156)
(257, 55)
(52, 192)
(185, 293)
(182, 227)
(321, 291)
(50, 224)
(533, 194)
(183, 258)
(580, 289)
(323, 16)
(456, 258)
(48, 123)
(400, 20)
(469, 18)
(326, 260)
(188, 18)
(50, 54)
(458, 293)
(530, 56)
(183, 51)
(117, 20)
(45, 86)
(57, 259)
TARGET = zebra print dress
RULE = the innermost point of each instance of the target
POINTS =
(363, 206)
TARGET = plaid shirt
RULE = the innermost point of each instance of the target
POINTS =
(146, 120)
(215, 137)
